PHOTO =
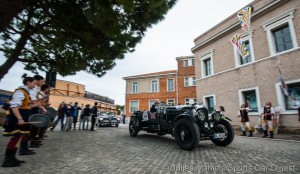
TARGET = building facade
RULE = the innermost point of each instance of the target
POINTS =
(224, 78)
(66, 91)
(173, 87)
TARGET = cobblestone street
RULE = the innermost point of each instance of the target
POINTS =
(112, 150)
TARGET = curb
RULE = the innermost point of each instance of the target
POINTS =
(272, 139)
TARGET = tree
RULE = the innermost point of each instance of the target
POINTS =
(120, 108)
(73, 35)
(10, 9)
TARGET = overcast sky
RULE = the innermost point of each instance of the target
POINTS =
(171, 38)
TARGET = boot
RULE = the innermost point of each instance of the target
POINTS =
(265, 134)
(34, 144)
(74, 126)
(250, 134)
(243, 133)
(24, 148)
(8, 159)
(271, 134)
(14, 156)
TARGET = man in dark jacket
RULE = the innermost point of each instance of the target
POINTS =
(86, 115)
(94, 115)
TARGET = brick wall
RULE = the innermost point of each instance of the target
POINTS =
(143, 98)
(183, 91)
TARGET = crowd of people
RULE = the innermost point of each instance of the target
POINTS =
(69, 114)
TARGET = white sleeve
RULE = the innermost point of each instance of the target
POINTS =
(248, 109)
(40, 96)
(17, 98)
(262, 111)
(239, 113)
(272, 110)
(33, 93)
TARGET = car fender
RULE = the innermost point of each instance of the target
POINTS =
(224, 117)
(135, 119)
(188, 116)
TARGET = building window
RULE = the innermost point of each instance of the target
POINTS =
(154, 86)
(239, 60)
(190, 101)
(207, 63)
(207, 67)
(135, 87)
(293, 101)
(194, 81)
(134, 106)
(171, 102)
(283, 39)
(151, 102)
(210, 103)
(250, 96)
(189, 81)
(170, 86)
(248, 58)
(189, 62)
(281, 33)
(193, 62)
(186, 81)
(186, 63)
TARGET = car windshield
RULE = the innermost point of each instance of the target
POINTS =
(106, 113)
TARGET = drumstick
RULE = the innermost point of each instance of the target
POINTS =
(33, 122)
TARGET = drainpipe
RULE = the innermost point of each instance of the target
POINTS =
(177, 87)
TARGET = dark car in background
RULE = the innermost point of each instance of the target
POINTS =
(107, 119)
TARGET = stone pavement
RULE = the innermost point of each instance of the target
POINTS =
(111, 150)
(280, 136)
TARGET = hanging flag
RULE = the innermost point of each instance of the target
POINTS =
(239, 45)
(283, 86)
(244, 16)
(244, 50)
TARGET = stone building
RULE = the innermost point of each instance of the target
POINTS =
(224, 78)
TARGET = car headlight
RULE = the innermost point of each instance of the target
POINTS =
(201, 115)
(217, 116)
(100, 118)
(118, 118)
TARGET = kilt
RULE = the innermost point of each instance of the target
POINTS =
(11, 128)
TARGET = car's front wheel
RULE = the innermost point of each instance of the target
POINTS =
(133, 130)
(117, 125)
(187, 134)
(225, 128)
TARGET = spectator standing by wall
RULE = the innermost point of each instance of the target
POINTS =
(94, 115)
(76, 109)
(86, 116)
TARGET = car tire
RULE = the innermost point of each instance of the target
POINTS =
(117, 125)
(161, 133)
(187, 135)
(230, 134)
(133, 130)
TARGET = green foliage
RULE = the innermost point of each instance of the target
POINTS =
(120, 108)
(74, 35)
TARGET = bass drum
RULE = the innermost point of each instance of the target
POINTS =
(51, 113)
(43, 119)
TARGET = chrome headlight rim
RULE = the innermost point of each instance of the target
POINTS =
(201, 115)
(217, 116)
